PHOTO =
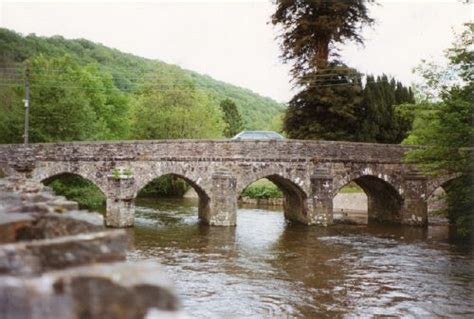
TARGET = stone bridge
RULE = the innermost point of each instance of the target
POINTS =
(309, 173)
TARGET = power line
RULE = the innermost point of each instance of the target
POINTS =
(163, 88)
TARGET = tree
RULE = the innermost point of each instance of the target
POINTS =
(379, 118)
(11, 104)
(447, 131)
(311, 30)
(68, 102)
(128, 71)
(325, 108)
(232, 118)
(169, 107)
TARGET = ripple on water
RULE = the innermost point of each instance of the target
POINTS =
(267, 268)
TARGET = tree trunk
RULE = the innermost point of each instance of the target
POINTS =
(322, 55)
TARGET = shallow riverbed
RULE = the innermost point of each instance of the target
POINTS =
(267, 268)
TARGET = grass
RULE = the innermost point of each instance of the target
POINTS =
(351, 188)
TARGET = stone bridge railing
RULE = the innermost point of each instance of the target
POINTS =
(308, 172)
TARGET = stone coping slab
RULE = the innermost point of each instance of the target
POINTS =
(37, 256)
(102, 291)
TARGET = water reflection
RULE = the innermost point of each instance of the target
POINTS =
(266, 267)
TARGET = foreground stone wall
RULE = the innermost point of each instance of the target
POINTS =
(309, 173)
(59, 262)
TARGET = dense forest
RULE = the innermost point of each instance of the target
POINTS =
(109, 94)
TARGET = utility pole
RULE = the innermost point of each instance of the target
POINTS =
(27, 102)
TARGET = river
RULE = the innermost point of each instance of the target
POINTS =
(268, 268)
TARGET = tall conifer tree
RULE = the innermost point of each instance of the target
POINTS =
(325, 107)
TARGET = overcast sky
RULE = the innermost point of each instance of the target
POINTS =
(232, 40)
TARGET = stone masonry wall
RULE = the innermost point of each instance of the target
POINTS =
(210, 165)
(59, 262)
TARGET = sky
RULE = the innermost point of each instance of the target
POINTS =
(233, 41)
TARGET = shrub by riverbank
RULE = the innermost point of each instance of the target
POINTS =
(262, 189)
(80, 190)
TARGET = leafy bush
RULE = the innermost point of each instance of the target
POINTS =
(262, 191)
(80, 190)
(167, 186)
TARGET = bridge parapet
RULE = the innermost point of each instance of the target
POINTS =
(217, 150)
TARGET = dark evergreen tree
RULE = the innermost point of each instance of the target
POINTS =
(326, 109)
(232, 118)
(378, 117)
(311, 29)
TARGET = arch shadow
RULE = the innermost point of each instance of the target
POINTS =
(294, 197)
(384, 203)
(204, 199)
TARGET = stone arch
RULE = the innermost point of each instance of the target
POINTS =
(384, 201)
(295, 198)
(42, 174)
(249, 176)
(438, 192)
(203, 194)
(440, 181)
(190, 173)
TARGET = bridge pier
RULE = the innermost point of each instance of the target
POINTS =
(222, 209)
(320, 210)
(415, 208)
(120, 210)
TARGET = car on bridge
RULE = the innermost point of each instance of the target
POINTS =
(257, 135)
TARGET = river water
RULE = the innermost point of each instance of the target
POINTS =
(268, 268)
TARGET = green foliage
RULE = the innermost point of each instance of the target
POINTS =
(165, 186)
(351, 188)
(68, 102)
(326, 107)
(379, 117)
(335, 106)
(115, 173)
(262, 189)
(461, 204)
(256, 111)
(128, 172)
(113, 77)
(179, 110)
(332, 104)
(312, 29)
(80, 190)
(447, 130)
(232, 119)
(277, 123)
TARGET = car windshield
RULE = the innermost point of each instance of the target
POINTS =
(258, 136)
